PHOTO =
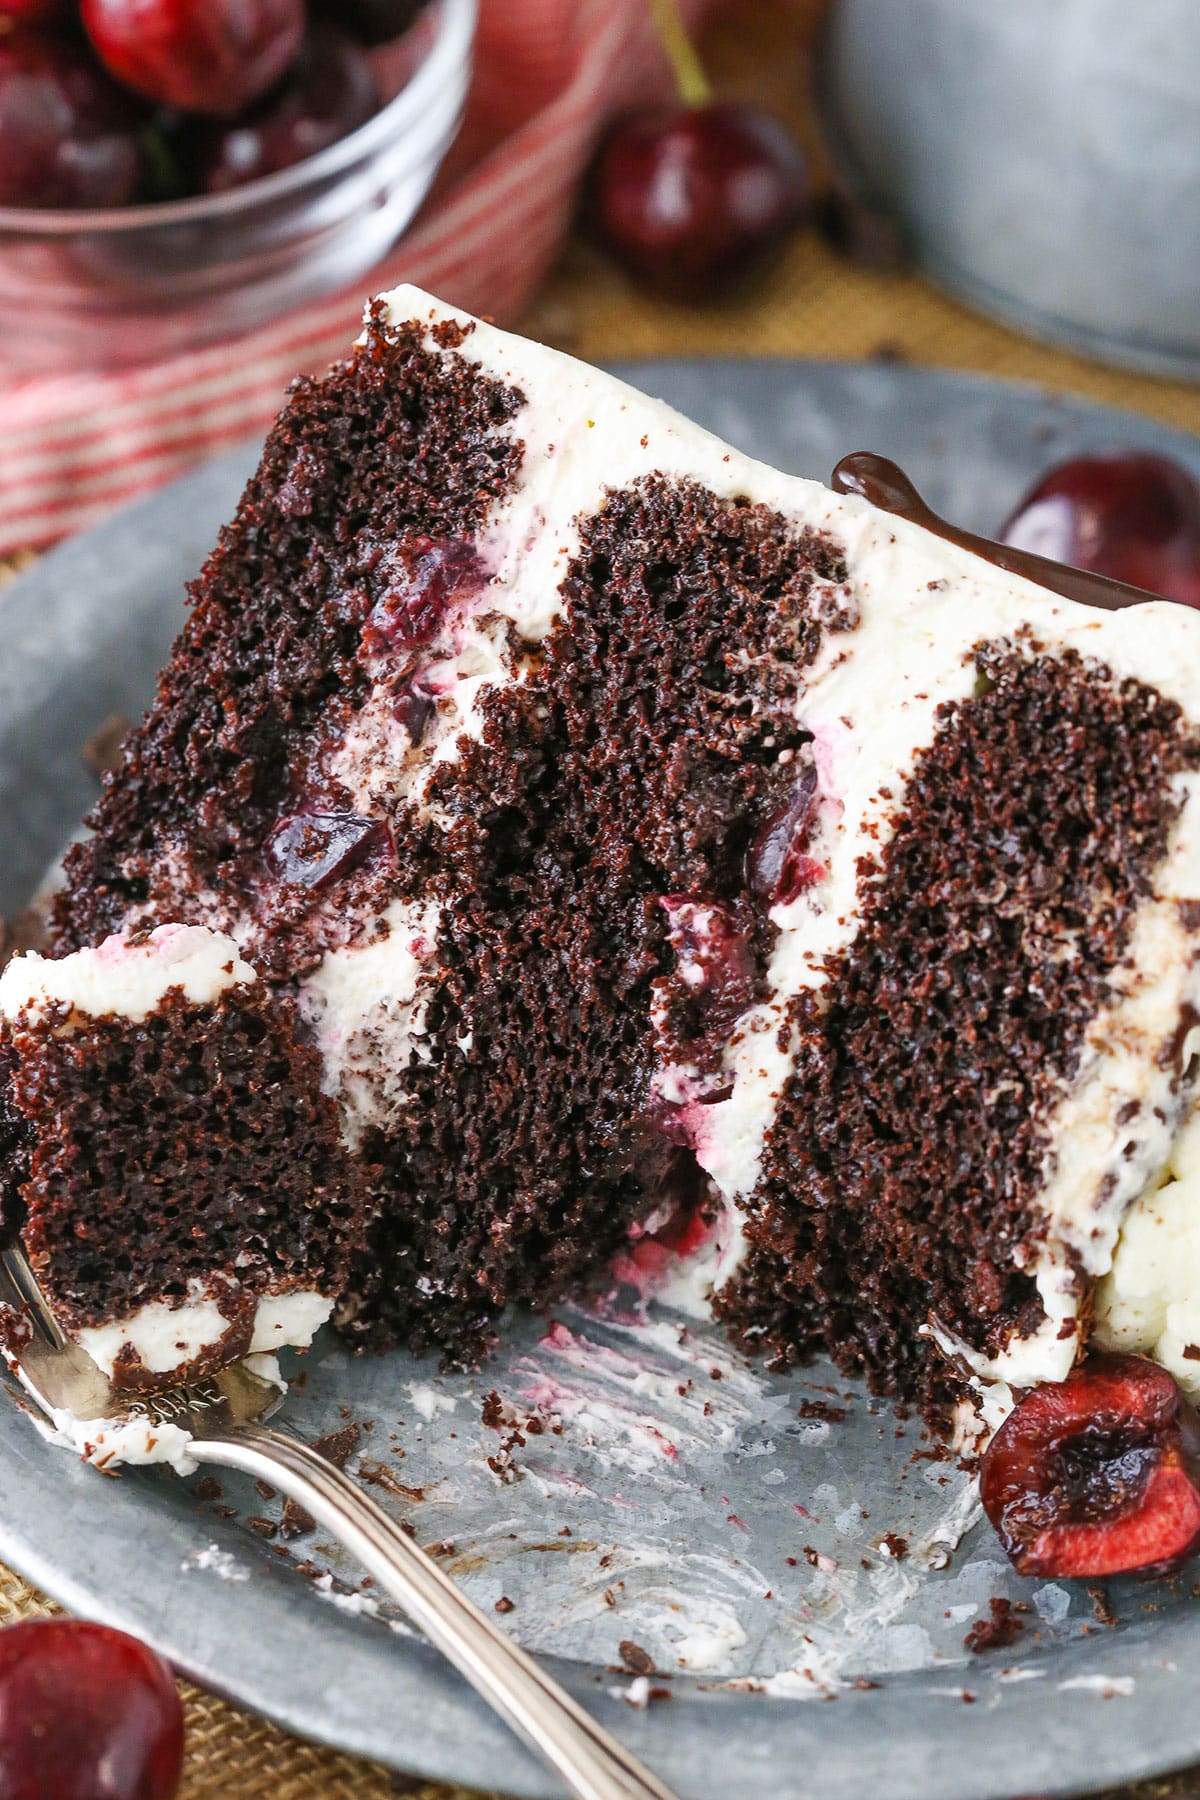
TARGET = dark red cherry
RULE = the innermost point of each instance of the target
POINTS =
(86, 1713)
(310, 849)
(68, 135)
(413, 707)
(778, 869)
(1097, 1475)
(330, 92)
(430, 577)
(206, 56)
(1134, 517)
(691, 199)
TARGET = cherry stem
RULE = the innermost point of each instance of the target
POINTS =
(690, 79)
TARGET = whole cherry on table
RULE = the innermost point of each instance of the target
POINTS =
(86, 1713)
(693, 197)
(1134, 516)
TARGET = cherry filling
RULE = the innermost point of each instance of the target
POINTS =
(413, 707)
(677, 1228)
(778, 870)
(1097, 1475)
(311, 849)
(428, 577)
(709, 944)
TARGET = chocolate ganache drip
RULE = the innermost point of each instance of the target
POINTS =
(885, 485)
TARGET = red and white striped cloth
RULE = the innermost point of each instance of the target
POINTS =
(548, 73)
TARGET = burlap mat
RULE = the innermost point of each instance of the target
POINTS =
(814, 304)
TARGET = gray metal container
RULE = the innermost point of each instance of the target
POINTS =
(1043, 154)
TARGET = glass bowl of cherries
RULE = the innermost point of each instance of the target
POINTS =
(176, 172)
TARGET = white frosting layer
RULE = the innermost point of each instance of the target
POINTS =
(365, 1009)
(1150, 1301)
(126, 980)
(108, 1442)
(166, 1337)
(872, 704)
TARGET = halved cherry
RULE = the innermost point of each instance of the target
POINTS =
(309, 849)
(432, 575)
(1097, 1475)
(777, 867)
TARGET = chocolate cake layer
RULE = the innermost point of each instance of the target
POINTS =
(177, 1174)
(205, 821)
(621, 783)
(903, 1173)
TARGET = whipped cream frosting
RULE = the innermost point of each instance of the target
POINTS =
(365, 1006)
(124, 978)
(167, 1337)
(1149, 1302)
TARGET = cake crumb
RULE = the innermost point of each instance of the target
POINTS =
(338, 1446)
(1102, 1606)
(500, 1415)
(1003, 1628)
(821, 1409)
(636, 1660)
(295, 1521)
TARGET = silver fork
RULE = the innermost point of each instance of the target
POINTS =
(224, 1415)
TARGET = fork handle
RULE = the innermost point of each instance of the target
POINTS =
(591, 1763)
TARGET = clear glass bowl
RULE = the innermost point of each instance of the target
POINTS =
(133, 285)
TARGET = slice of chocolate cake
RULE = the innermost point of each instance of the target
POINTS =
(175, 1172)
(631, 841)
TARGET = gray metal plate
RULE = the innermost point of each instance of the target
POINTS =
(676, 1497)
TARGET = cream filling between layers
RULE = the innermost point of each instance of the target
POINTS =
(365, 1006)
(1150, 1300)
(125, 980)
(167, 1337)
(871, 702)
